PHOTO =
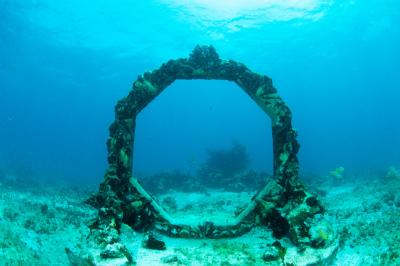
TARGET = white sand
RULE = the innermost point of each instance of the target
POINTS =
(37, 224)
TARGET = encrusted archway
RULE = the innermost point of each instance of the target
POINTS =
(283, 204)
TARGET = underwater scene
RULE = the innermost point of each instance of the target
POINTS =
(203, 132)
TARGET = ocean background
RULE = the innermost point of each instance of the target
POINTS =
(64, 65)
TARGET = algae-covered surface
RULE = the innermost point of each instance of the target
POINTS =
(48, 225)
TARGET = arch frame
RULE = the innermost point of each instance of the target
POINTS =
(283, 204)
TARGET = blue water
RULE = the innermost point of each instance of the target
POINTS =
(64, 64)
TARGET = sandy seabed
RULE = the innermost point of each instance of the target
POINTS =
(38, 223)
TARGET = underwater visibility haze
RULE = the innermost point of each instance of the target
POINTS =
(335, 63)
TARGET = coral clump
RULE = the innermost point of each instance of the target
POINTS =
(229, 162)
(228, 169)
(393, 173)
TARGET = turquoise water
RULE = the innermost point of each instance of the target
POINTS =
(64, 64)
(202, 148)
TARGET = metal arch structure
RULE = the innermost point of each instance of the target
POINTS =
(283, 204)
